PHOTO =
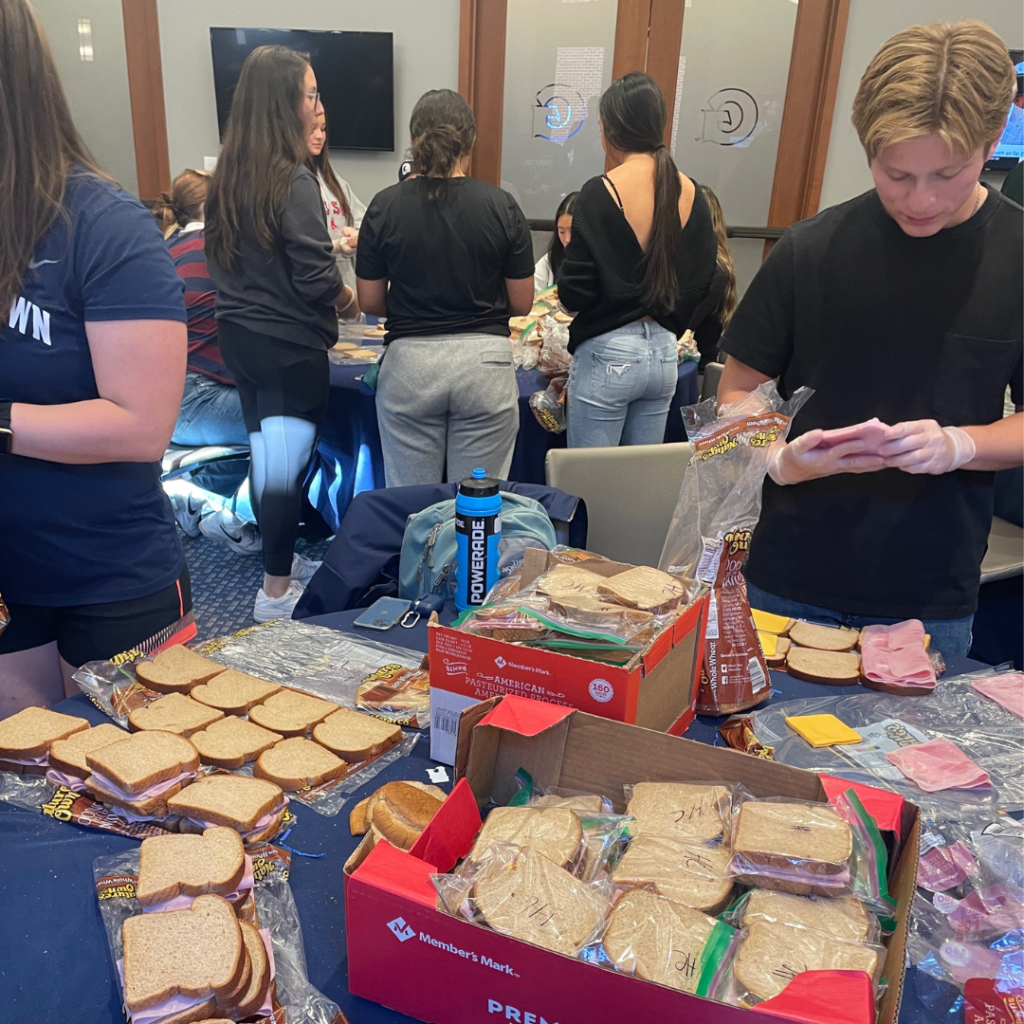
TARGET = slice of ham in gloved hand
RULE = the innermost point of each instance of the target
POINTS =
(1007, 690)
(937, 765)
(896, 654)
(871, 435)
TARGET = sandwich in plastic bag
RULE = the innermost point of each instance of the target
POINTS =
(692, 811)
(719, 505)
(844, 918)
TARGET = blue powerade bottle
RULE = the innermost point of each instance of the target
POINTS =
(477, 533)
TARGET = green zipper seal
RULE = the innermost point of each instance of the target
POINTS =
(712, 955)
(881, 855)
(561, 627)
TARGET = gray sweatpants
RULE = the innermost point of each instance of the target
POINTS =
(447, 401)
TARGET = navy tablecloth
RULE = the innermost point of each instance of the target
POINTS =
(54, 961)
(349, 458)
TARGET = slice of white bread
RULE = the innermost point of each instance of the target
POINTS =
(194, 953)
(833, 668)
(189, 865)
(356, 737)
(842, 918)
(689, 873)
(230, 742)
(69, 755)
(679, 809)
(554, 833)
(256, 993)
(291, 713)
(173, 713)
(400, 811)
(584, 804)
(823, 638)
(235, 801)
(656, 939)
(771, 955)
(234, 692)
(568, 581)
(644, 588)
(176, 670)
(297, 763)
(792, 837)
(535, 900)
(143, 759)
(30, 732)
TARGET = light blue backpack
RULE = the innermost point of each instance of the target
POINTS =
(427, 563)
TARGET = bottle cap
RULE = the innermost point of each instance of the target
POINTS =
(479, 485)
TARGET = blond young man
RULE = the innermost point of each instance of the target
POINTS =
(903, 303)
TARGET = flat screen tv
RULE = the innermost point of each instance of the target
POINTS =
(1011, 145)
(354, 73)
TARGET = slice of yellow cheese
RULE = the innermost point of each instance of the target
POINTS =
(765, 622)
(823, 730)
(769, 644)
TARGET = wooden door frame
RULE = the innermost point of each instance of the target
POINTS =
(146, 89)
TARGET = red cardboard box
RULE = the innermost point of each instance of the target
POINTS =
(656, 689)
(409, 956)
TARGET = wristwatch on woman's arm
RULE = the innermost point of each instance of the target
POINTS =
(6, 437)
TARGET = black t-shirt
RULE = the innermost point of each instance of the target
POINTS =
(882, 324)
(446, 256)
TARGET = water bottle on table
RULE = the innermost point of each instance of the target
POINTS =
(477, 533)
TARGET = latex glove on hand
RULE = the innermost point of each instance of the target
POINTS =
(348, 242)
(801, 459)
(922, 446)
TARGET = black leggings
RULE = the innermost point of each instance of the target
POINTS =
(284, 390)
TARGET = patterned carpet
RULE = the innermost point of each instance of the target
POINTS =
(224, 584)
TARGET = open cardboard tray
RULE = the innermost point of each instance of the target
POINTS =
(447, 971)
(656, 688)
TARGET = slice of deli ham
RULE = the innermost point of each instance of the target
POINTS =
(1007, 690)
(896, 655)
(938, 765)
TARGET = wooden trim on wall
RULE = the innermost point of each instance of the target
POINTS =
(807, 118)
(146, 87)
(482, 80)
(632, 20)
(663, 45)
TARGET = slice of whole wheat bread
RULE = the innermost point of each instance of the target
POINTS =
(356, 737)
(832, 668)
(256, 993)
(297, 763)
(175, 713)
(643, 587)
(791, 837)
(823, 638)
(554, 833)
(235, 801)
(233, 692)
(231, 741)
(30, 732)
(194, 953)
(189, 865)
(537, 901)
(291, 713)
(143, 759)
(679, 809)
(842, 918)
(69, 755)
(656, 939)
(176, 670)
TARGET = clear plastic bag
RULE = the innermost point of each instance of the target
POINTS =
(844, 918)
(276, 916)
(986, 732)
(549, 405)
(718, 508)
(700, 811)
(870, 867)
(554, 358)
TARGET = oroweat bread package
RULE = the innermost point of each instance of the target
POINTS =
(707, 543)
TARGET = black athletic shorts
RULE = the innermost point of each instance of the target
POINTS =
(97, 632)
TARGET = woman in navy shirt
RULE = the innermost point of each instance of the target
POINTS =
(92, 366)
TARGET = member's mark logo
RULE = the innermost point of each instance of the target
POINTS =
(401, 930)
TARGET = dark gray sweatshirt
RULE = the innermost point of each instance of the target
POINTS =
(287, 294)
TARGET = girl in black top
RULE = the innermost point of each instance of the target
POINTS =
(640, 261)
(279, 294)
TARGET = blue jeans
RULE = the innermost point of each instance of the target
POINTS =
(211, 413)
(621, 386)
(950, 636)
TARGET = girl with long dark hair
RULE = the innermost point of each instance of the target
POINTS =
(279, 295)
(92, 364)
(545, 274)
(458, 256)
(640, 260)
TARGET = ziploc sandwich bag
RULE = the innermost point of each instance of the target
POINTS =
(718, 508)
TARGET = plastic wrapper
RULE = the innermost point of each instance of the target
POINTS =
(768, 956)
(708, 539)
(870, 867)
(692, 811)
(686, 348)
(554, 358)
(400, 695)
(276, 917)
(846, 918)
(791, 846)
(523, 894)
(549, 405)
(986, 732)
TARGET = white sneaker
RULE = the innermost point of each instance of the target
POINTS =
(269, 608)
(304, 568)
(224, 526)
(187, 512)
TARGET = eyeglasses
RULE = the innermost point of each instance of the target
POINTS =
(314, 98)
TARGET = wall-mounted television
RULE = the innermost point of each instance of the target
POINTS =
(1010, 150)
(354, 73)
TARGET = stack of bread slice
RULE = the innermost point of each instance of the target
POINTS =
(398, 812)
(823, 654)
(26, 738)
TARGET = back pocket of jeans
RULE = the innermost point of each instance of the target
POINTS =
(613, 371)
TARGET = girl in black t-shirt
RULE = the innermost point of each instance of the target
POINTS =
(458, 257)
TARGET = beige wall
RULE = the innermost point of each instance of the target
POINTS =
(871, 23)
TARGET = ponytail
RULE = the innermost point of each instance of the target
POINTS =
(633, 115)
(443, 131)
(183, 203)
